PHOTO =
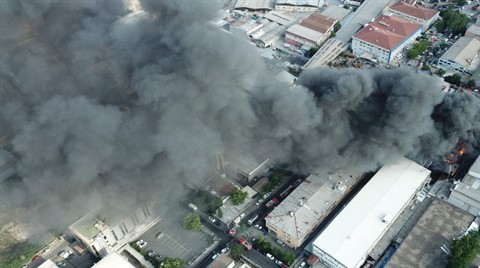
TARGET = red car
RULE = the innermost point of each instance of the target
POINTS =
(245, 243)
(36, 258)
(232, 232)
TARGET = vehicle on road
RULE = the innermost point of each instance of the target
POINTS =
(272, 202)
(151, 253)
(302, 264)
(259, 202)
(278, 262)
(280, 242)
(141, 243)
(60, 263)
(36, 258)
(159, 235)
(65, 254)
(245, 243)
(253, 219)
(215, 256)
(270, 256)
(258, 227)
(225, 250)
(212, 219)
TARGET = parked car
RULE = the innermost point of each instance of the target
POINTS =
(280, 242)
(270, 256)
(159, 235)
(278, 262)
(225, 250)
(151, 253)
(212, 219)
(259, 202)
(60, 263)
(302, 264)
(258, 227)
(141, 243)
(215, 256)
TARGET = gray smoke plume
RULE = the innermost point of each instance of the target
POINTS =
(103, 106)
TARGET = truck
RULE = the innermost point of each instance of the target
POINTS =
(253, 219)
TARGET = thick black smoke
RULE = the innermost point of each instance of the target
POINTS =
(104, 106)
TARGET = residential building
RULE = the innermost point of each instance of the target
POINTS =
(462, 56)
(415, 13)
(298, 5)
(255, 5)
(113, 260)
(296, 217)
(311, 31)
(349, 238)
(385, 37)
(104, 232)
(223, 261)
(48, 264)
(473, 31)
(466, 194)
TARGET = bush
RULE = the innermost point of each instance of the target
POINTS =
(238, 197)
(440, 72)
(464, 250)
(192, 222)
(18, 254)
(173, 263)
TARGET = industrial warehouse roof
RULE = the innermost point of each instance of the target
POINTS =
(113, 260)
(336, 12)
(464, 52)
(474, 29)
(255, 4)
(387, 31)
(318, 22)
(305, 33)
(312, 3)
(352, 233)
(414, 10)
(308, 203)
(475, 169)
(280, 18)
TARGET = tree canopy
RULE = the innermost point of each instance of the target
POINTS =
(238, 197)
(417, 49)
(237, 251)
(464, 250)
(173, 263)
(454, 21)
(455, 79)
(192, 222)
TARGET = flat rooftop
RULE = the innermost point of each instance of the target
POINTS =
(309, 203)
(357, 228)
(438, 226)
(113, 260)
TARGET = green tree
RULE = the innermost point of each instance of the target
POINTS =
(426, 67)
(455, 21)
(237, 251)
(192, 222)
(471, 83)
(337, 26)
(455, 79)
(440, 72)
(288, 258)
(214, 205)
(220, 213)
(238, 196)
(461, 2)
(464, 250)
(173, 263)
(417, 49)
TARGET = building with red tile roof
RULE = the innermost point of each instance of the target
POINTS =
(385, 37)
(415, 13)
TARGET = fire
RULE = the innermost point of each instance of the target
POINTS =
(462, 151)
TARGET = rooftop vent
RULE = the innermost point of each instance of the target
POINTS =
(292, 214)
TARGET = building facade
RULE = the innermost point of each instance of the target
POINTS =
(466, 194)
(385, 37)
(298, 5)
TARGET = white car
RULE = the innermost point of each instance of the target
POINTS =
(302, 264)
(212, 219)
(258, 227)
(278, 262)
(151, 253)
(270, 256)
(225, 250)
(159, 235)
(260, 201)
(215, 256)
(141, 243)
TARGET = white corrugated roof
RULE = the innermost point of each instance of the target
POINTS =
(357, 228)
(255, 4)
(313, 3)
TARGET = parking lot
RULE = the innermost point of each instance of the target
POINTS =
(175, 241)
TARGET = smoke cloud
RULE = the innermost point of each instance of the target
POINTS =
(104, 106)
